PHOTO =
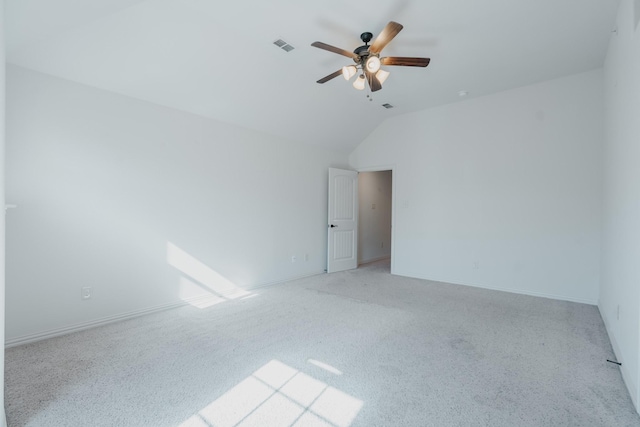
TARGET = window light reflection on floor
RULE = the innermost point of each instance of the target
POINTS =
(325, 366)
(278, 395)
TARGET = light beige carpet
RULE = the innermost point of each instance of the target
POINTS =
(358, 348)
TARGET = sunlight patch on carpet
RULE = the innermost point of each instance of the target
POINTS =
(278, 395)
(325, 366)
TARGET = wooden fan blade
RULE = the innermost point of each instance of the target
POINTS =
(406, 61)
(374, 83)
(330, 76)
(334, 49)
(390, 31)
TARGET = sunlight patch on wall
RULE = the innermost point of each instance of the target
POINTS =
(278, 395)
(202, 287)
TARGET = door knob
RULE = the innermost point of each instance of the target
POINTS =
(333, 226)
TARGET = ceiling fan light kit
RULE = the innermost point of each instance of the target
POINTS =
(373, 64)
(368, 61)
(382, 75)
(359, 82)
(349, 71)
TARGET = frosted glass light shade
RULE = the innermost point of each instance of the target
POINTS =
(359, 82)
(382, 75)
(373, 64)
(348, 71)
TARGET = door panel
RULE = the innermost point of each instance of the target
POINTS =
(343, 220)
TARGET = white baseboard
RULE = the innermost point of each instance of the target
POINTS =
(624, 369)
(513, 291)
(285, 280)
(26, 339)
(370, 260)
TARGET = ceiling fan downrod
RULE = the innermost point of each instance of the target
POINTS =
(362, 52)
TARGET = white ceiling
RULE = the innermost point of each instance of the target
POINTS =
(217, 59)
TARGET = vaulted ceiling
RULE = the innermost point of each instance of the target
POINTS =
(217, 58)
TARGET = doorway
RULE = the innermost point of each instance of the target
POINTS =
(375, 214)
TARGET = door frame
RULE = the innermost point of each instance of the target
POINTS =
(383, 168)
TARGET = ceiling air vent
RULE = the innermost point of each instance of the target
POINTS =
(283, 45)
(387, 106)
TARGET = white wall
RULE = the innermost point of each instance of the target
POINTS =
(2, 211)
(621, 239)
(374, 215)
(120, 195)
(501, 191)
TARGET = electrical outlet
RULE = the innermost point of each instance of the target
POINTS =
(86, 292)
(306, 257)
(382, 244)
(476, 265)
(294, 258)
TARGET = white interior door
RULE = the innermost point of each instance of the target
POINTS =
(343, 220)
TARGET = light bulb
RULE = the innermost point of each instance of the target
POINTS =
(359, 82)
(382, 75)
(348, 71)
(373, 64)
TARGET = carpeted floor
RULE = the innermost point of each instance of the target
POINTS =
(358, 348)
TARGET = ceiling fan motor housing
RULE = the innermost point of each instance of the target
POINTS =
(362, 52)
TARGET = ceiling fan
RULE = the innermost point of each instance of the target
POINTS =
(368, 60)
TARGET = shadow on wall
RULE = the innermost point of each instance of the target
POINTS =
(278, 395)
(200, 285)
